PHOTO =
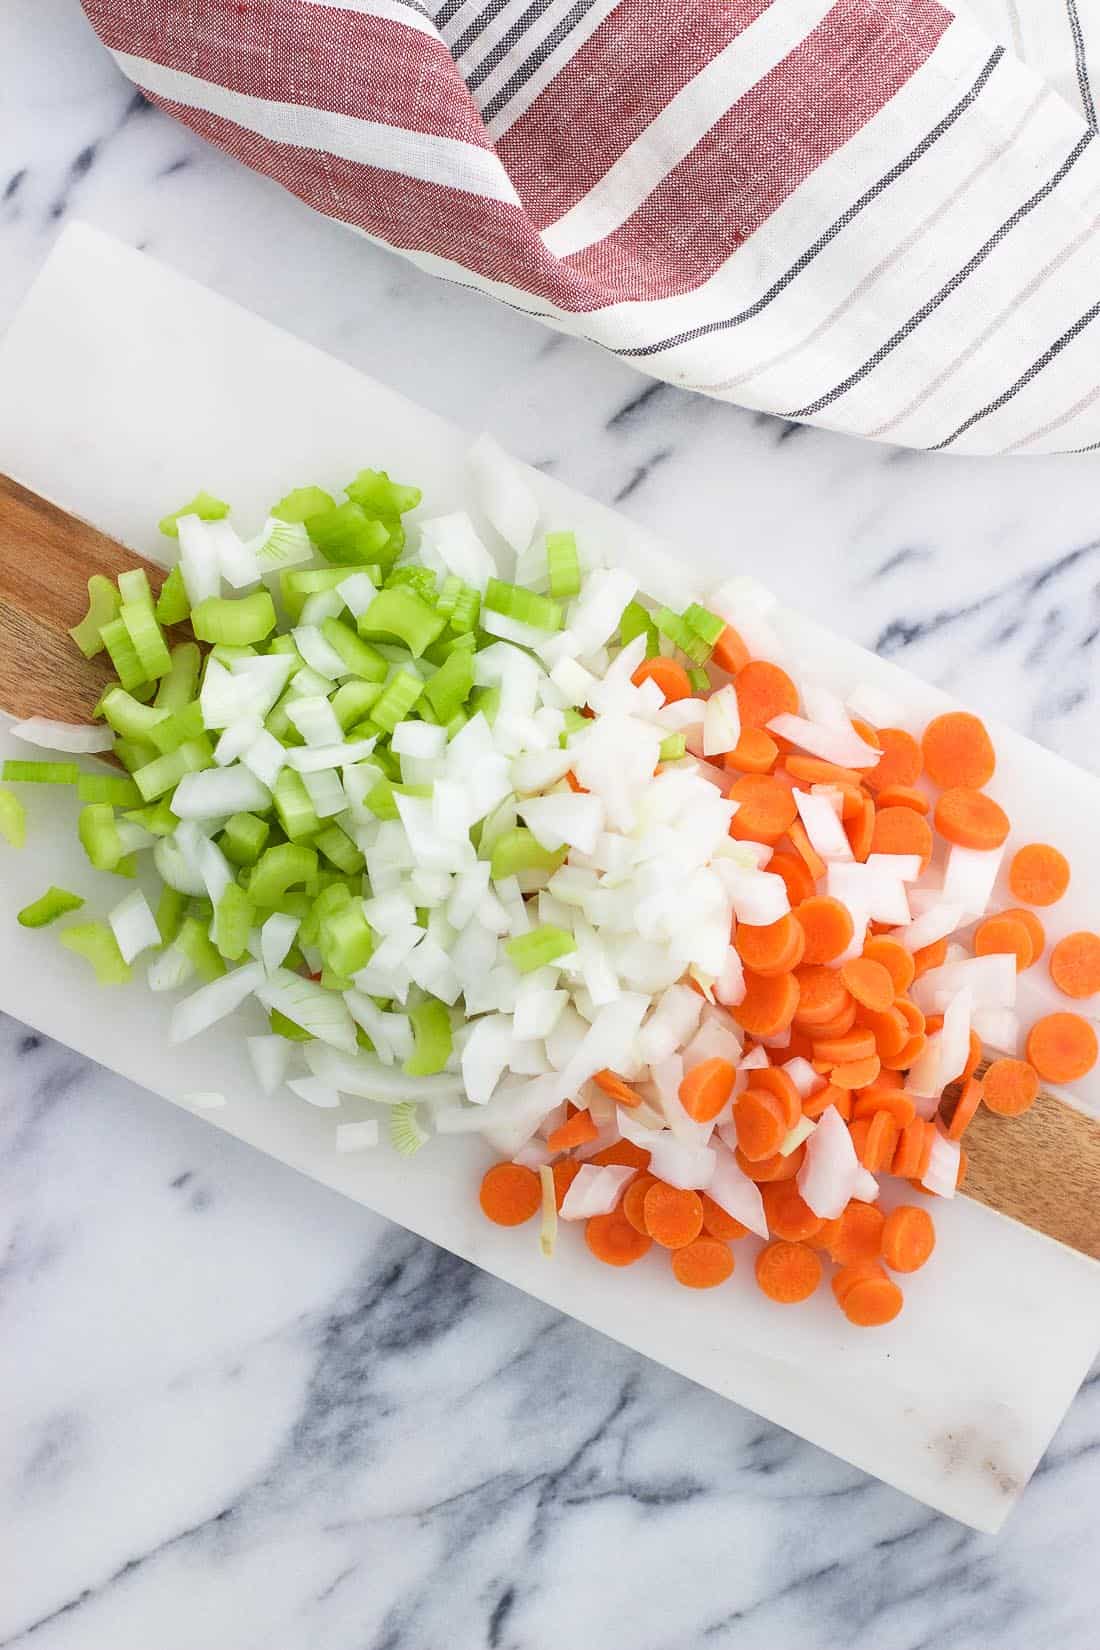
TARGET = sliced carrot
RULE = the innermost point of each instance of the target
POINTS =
(903, 796)
(612, 1239)
(854, 1045)
(929, 956)
(769, 1003)
(856, 1074)
(578, 1131)
(933, 1024)
(928, 1141)
(1010, 1087)
(889, 1080)
(672, 1217)
(754, 752)
(958, 751)
(575, 784)
(897, 961)
(870, 983)
(760, 1120)
(857, 1271)
(893, 1101)
(763, 691)
(803, 846)
(624, 1154)
(816, 1104)
(703, 1264)
(1033, 926)
(1005, 935)
(796, 877)
(968, 1102)
(861, 831)
(510, 1194)
(776, 1167)
(787, 1214)
(971, 819)
(853, 802)
(909, 1055)
(765, 808)
(706, 1088)
(774, 948)
(908, 1238)
(901, 831)
(634, 1199)
(867, 733)
(822, 995)
(875, 1140)
(838, 1026)
(910, 1013)
(564, 1174)
(787, 1272)
(717, 1223)
(974, 1054)
(1038, 874)
(1062, 1047)
(858, 1235)
(780, 1083)
(888, 1029)
(872, 1302)
(901, 762)
(907, 1152)
(812, 770)
(730, 653)
(1075, 964)
(618, 1088)
(670, 677)
(827, 926)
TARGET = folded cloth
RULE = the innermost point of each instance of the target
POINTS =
(871, 215)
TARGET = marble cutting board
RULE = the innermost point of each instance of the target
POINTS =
(123, 388)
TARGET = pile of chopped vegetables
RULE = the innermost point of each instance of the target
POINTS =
(674, 927)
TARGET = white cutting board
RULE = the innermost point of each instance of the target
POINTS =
(124, 388)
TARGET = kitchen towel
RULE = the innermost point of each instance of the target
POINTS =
(878, 216)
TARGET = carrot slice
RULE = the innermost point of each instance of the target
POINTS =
(908, 1238)
(754, 752)
(634, 1200)
(901, 762)
(892, 1101)
(858, 1235)
(706, 1088)
(971, 819)
(578, 1131)
(1006, 935)
(1062, 1047)
(838, 1026)
(1075, 964)
(968, 1102)
(875, 1139)
(910, 1013)
(769, 1003)
(827, 926)
(909, 1055)
(765, 808)
(624, 1153)
(972, 1058)
(903, 796)
(856, 1271)
(760, 1120)
(780, 1083)
(929, 956)
(818, 1103)
(888, 1029)
(901, 831)
(958, 751)
(774, 948)
(1010, 1087)
(812, 770)
(861, 831)
(672, 1217)
(928, 1140)
(564, 1174)
(867, 733)
(763, 691)
(796, 876)
(897, 961)
(788, 1215)
(776, 1167)
(510, 1194)
(670, 677)
(854, 1045)
(822, 995)
(618, 1088)
(907, 1152)
(730, 653)
(1038, 874)
(1033, 926)
(856, 1074)
(717, 1223)
(870, 983)
(703, 1264)
(575, 784)
(787, 1272)
(612, 1239)
(872, 1302)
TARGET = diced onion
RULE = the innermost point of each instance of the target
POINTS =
(78, 737)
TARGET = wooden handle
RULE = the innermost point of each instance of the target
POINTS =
(46, 560)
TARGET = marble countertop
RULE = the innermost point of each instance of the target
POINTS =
(238, 1411)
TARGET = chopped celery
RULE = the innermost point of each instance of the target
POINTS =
(177, 687)
(40, 773)
(134, 753)
(178, 727)
(302, 502)
(170, 912)
(278, 869)
(448, 690)
(538, 947)
(432, 1041)
(374, 490)
(401, 693)
(204, 505)
(337, 846)
(415, 577)
(700, 681)
(406, 1134)
(298, 584)
(133, 588)
(379, 799)
(233, 918)
(346, 940)
(564, 565)
(126, 866)
(236, 620)
(677, 630)
(124, 657)
(244, 838)
(517, 850)
(574, 722)
(108, 787)
(157, 818)
(165, 773)
(103, 605)
(199, 949)
(400, 614)
(449, 594)
(360, 658)
(485, 702)
(672, 747)
(516, 602)
(129, 717)
(347, 535)
(99, 835)
(440, 652)
(293, 806)
(54, 903)
(637, 621)
(282, 1027)
(466, 610)
(172, 604)
(13, 819)
(353, 701)
(704, 623)
(95, 942)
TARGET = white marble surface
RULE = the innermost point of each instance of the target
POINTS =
(238, 1411)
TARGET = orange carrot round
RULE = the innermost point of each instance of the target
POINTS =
(706, 1088)
(1075, 964)
(1034, 927)
(624, 1153)
(510, 1194)
(718, 1224)
(754, 752)
(805, 849)
(730, 653)
(827, 927)
(816, 1104)
(769, 1003)
(907, 1151)
(897, 961)
(672, 1217)
(774, 948)
(760, 1120)
(929, 956)
(1061, 1047)
(1038, 874)
(856, 1074)
(869, 982)
(858, 1234)
(970, 818)
(969, 1101)
(908, 1238)
(888, 1029)
(776, 1167)
(838, 1026)
(812, 770)
(822, 995)
(901, 831)
(1010, 1087)
(958, 751)
(618, 1088)
(634, 1199)
(901, 762)
(854, 1045)
(974, 1054)
(903, 796)
(703, 1264)
(612, 1239)
(763, 691)
(872, 1302)
(578, 1131)
(861, 831)
(780, 1083)
(564, 1174)
(893, 1101)
(1005, 935)
(787, 1214)
(787, 1272)
(792, 868)
(857, 1271)
(765, 808)
(669, 675)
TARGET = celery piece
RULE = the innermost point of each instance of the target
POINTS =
(337, 846)
(285, 644)
(172, 605)
(178, 727)
(677, 630)
(233, 918)
(672, 747)
(332, 981)
(108, 787)
(485, 702)
(278, 869)
(157, 818)
(125, 867)
(200, 950)
(360, 658)
(178, 686)
(228, 654)
(204, 505)
(399, 614)
(705, 624)
(637, 621)
(517, 850)
(244, 837)
(401, 693)
(374, 490)
(347, 535)
(170, 912)
(440, 652)
(103, 605)
(448, 595)
(134, 588)
(414, 577)
(352, 702)
(432, 1041)
(380, 798)
(134, 753)
(128, 716)
(406, 1134)
(282, 1027)
(301, 503)
(516, 602)
(448, 690)
(466, 611)
(54, 903)
(456, 723)
(297, 584)
(123, 654)
(99, 835)
(97, 944)
(564, 565)
(700, 681)
(13, 819)
(346, 940)
(165, 773)
(293, 807)
(40, 773)
(539, 946)
(236, 620)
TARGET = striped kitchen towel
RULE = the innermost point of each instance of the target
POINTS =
(874, 215)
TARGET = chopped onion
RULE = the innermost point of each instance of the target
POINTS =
(276, 938)
(270, 1058)
(504, 494)
(322, 1013)
(565, 818)
(734, 1192)
(357, 1137)
(314, 1092)
(595, 1190)
(134, 926)
(990, 980)
(200, 565)
(801, 1131)
(721, 722)
(677, 1163)
(213, 1002)
(217, 792)
(802, 1074)
(357, 592)
(825, 831)
(969, 877)
(955, 1037)
(942, 1172)
(78, 737)
(830, 1167)
(934, 924)
(845, 748)
(998, 1028)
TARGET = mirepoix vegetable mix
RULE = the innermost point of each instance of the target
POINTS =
(497, 844)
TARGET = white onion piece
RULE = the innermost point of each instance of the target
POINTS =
(357, 1137)
(905, 867)
(969, 877)
(315, 758)
(450, 543)
(565, 818)
(866, 1187)
(364, 1076)
(217, 792)
(213, 1002)
(721, 722)
(199, 563)
(176, 868)
(169, 970)
(846, 749)
(934, 924)
(236, 559)
(281, 544)
(314, 1092)
(955, 1037)
(678, 1163)
(595, 1190)
(998, 1028)
(134, 926)
(990, 980)
(825, 831)
(276, 938)
(270, 1058)
(924, 1080)
(757, 897)
(533, 1155)
(238, 738)
(265, 758)
(739, 1196)
(134, 838)
(943, 1166)
(78, 737)
(503, 493)
(309, 1005)
(805, 1079)
(830, 1168)
(318, 654)
(322, 605)
(729, 986)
